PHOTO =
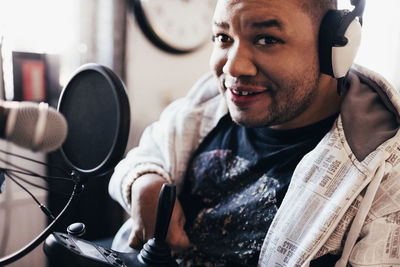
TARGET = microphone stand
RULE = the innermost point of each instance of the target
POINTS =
(78, 188)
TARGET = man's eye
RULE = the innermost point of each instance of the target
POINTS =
(268, 40)
(221, 38)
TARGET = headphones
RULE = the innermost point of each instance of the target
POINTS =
(339, 39)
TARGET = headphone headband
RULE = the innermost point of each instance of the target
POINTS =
(359, 6)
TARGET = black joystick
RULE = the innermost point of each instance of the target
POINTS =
(69, 250)
(156, 251)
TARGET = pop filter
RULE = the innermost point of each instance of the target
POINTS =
(95, 104)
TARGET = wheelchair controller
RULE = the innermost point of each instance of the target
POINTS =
(67, 249)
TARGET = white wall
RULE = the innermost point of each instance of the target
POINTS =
(380, 44)
(154, 78)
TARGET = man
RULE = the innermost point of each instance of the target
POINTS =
(273, 167)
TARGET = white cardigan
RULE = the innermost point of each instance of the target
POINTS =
(352, 171)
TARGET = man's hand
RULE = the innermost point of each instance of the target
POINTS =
(145, 193)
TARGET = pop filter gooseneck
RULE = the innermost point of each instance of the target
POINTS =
(96, 107)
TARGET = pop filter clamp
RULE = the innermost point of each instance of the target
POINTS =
(93, 101)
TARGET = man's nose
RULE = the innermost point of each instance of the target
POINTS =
(240, 62)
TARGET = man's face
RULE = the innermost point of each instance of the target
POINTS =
(265, 58)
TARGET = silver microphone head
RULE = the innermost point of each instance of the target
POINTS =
(35, 126)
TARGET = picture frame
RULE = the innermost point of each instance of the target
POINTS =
(29, 76)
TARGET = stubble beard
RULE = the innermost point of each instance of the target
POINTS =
(287, 102)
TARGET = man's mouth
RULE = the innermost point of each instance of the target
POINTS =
(243, 93)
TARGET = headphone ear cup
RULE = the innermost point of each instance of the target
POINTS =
(336, 60)
(343, 56)
(329, 25)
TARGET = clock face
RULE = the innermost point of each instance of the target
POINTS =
(176, 25)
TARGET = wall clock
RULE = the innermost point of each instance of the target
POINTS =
(176, 26)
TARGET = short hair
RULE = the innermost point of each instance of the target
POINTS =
(316, 9)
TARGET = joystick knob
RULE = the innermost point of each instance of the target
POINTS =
(77, 229)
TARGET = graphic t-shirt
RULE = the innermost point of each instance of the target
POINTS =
(234, 186)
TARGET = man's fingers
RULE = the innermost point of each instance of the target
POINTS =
(178, 241)
(145, 195)
(134, 241)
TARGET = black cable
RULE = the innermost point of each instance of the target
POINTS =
(19, 168)
(46, 211)
(28, 182)
(33, 174)
(23, 188)
(35, 161)
(45, 177)
(38, 186)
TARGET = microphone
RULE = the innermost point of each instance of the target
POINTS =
(31, 125)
